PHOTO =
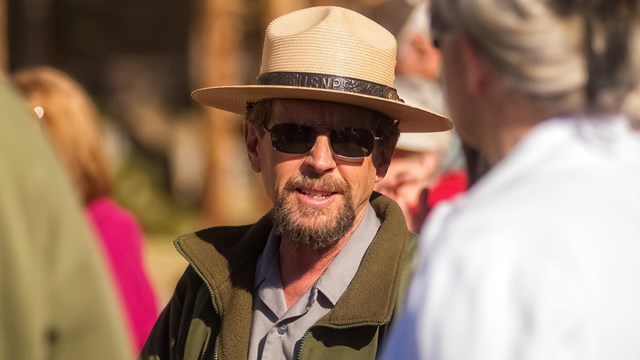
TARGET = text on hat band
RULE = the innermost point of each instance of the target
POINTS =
(329, 82)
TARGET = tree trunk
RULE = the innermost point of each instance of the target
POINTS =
(217, 41)
(275, 8)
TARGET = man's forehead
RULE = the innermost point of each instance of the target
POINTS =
(321, 113)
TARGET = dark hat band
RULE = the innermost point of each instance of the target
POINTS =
(329, 82)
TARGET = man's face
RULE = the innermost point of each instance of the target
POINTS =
(318, 196)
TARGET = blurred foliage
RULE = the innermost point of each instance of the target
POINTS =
(141, 187)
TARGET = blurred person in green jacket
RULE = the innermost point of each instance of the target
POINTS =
(56, 301)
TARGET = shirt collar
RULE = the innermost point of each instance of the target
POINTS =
(337, 277)
(339, 274)
(268, 260)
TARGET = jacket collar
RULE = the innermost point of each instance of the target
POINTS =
(226, 258)
(371, 296)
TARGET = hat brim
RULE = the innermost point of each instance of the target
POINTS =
(235, 99)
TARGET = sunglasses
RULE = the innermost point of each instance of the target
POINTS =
(346, 142)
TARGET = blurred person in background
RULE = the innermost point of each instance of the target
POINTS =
(321, 275)
(419, 75)
(418, 178)
(56, 300)
(70, 120)
(426, 168)
(539, 259)
(419, 61)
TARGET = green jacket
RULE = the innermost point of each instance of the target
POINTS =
(210, 313)
(56, 298)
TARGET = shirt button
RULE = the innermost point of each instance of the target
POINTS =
(282, 329)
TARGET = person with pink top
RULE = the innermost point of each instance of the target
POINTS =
(122, 243)
(69, 118)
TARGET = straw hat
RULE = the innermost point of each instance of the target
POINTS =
(327, 53)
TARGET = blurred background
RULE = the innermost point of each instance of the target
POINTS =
(180, 167)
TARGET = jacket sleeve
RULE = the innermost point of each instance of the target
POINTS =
(162, 342)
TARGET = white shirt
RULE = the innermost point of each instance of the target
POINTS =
(539, 260)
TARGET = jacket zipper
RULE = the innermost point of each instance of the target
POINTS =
(213, 301)
(336, 327)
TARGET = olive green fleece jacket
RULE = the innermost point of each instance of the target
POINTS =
(56, 299)
(209, 315)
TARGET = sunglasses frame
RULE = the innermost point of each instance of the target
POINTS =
(331, 129)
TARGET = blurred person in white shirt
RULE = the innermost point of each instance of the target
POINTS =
(538, 260)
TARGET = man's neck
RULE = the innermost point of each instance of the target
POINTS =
(301, 266)
(507, 125)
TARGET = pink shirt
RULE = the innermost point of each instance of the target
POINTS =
(122, 242)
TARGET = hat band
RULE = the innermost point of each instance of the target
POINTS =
(329, 82)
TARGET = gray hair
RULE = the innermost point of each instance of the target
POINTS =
(567, 55)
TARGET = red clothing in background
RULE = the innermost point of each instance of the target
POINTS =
(449, 185)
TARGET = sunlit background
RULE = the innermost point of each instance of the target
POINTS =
(180, 167)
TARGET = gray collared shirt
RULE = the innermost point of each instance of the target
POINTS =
(276, 330)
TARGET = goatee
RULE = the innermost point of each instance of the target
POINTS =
(286, 217)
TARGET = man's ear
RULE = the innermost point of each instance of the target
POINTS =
(251, 140)
(381, 160)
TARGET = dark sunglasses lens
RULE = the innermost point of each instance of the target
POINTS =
(292, 138)
(352, 142)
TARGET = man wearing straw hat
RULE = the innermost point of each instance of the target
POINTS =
(321, 275)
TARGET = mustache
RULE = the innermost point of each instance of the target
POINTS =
(324, 183)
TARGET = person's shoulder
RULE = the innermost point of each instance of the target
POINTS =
(389, 213)
(482, 220)
(237, 245)
(22, 142)
(219, 233)
(107, 208)
(114, 221)
(218, 239)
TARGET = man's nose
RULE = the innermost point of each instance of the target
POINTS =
(320, 157)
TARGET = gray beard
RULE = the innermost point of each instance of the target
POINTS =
(287, 225)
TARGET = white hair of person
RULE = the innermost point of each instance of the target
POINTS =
(559, 53)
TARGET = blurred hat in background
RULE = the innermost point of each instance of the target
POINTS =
(427, 95)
